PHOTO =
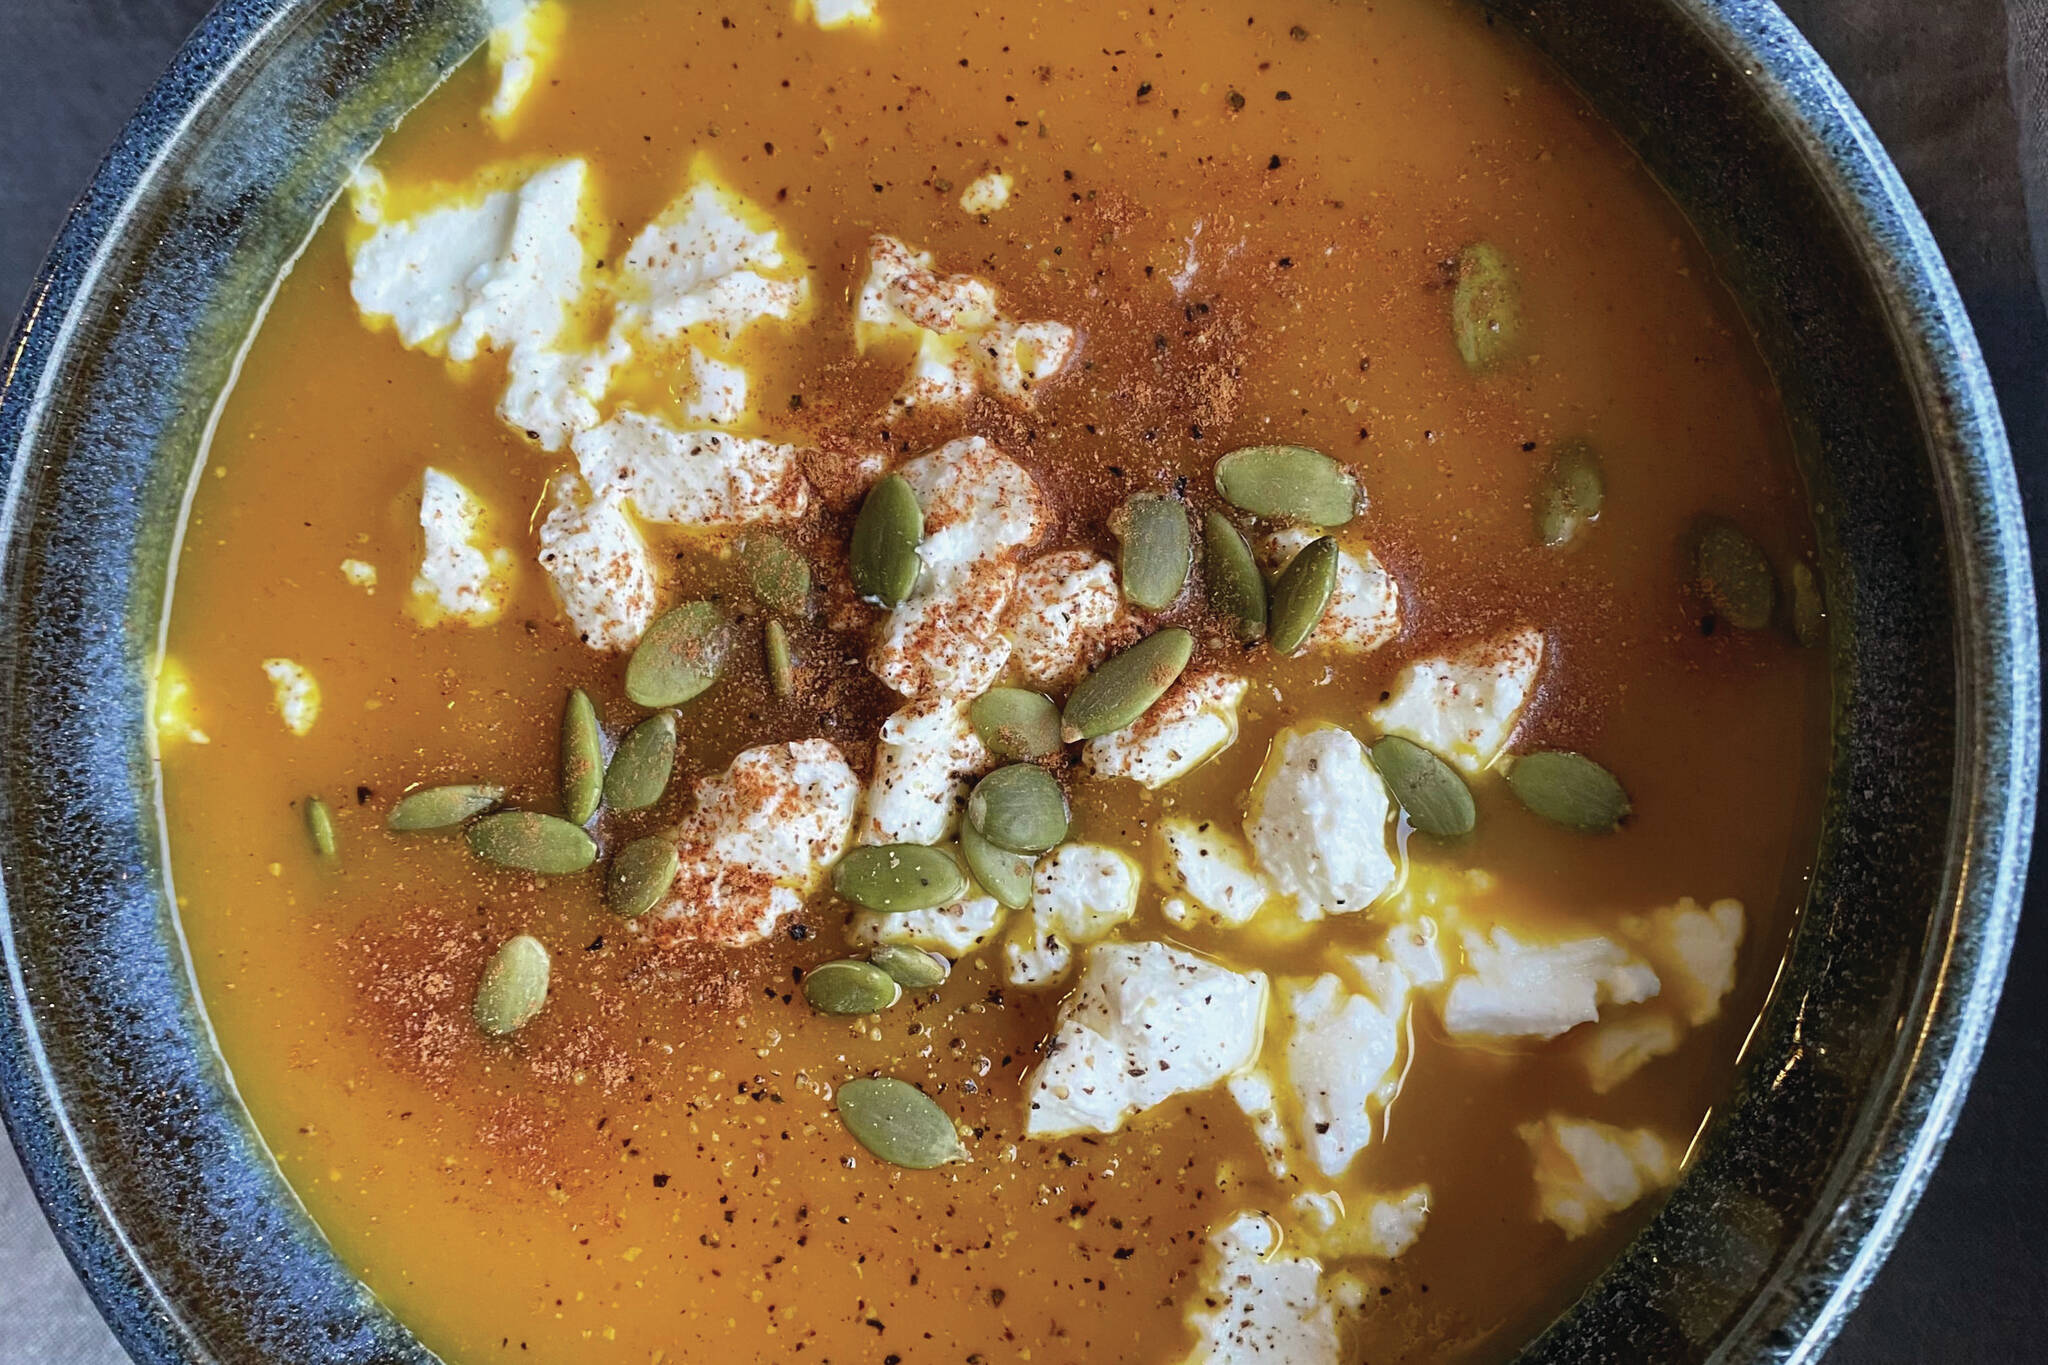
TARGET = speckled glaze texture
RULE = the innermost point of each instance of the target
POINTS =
(109, 1081)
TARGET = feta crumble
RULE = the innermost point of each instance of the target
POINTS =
(1195, 721)
(965, 342)
(294, 693)
(1465, 706)
(1384, 1226)
(952, 930)
(692, 478)
(462, 577)
(601, 570)
(1319, 821)
(174, 713)
(1078, 894)
(831, 14)
(925, 755)
(1341, 1060)
(710, 259)
(761, 836)
(1513, 989)
(1588, 1171)
(1615, 1049)
(987, 193)
(1693, 950)
(519, 45)
(1365, 608)
(1205, 863)
(359, 573)
(1144, 1023)
(1063, 617)
(1261, 1305)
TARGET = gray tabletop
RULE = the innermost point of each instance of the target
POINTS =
(1957, 90)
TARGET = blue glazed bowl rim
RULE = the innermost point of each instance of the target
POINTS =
(1879, 1180)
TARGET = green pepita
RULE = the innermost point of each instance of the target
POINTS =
(1569, 789)
(899, 1123)
(442, 807)
(781, 663)
(532, 842)
(1301, 594)
(913, 969)
(1124, 687)
(850, 987)
(582, 758)
(779, 577)
(1157, 549)
(1569, 494)
(1001, 873)
(640, 875)
(1237, 590)
(320, 827)
(514, 986)
(1435, 798)
(641, 766)
(1809, 610)
(1733, 574)
(891, 879)
(1486, 306)
(1288, 483)
(1020, 808)
(679, 656)
(886, 535)
(1012, 722)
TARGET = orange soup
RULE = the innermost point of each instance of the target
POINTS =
(862, 680)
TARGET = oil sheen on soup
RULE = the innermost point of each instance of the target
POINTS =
(880, 681)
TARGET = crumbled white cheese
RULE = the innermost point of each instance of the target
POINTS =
(462, 578)
(721, 391)
(1195, 721)
(987, 193)
(831, 14)
(519, 45)
(1063, 617)
(359, 574)
(295, 694)
(761, 836)
(1384, 1226)
(1418, 950)
(1615, 1049)
(1207, 864)
(925, 755)
(1587, 1171)
(1078, 894)
(599, 565)
(1365, 607)
(1342, 1050)
(692, 478)
(174, 713)
(710, 259)
(1693, 951)
(980, 507)
(1261, 1305)
(954, 930)
(1254, 1094)
(1513, 989)
(1319, 822)
(1144, 1023)
(965, 343)
(551, 394)
(1465, 705)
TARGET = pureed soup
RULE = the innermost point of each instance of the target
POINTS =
(1049, 682)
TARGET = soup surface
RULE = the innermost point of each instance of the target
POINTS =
(1428, 1083)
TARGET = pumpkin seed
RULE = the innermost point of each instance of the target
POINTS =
(886, 535)
(1435, 798)
(642, 765)
(1124, 687)
(641, 874)
(1001, 873)
(1809, 611)
(1020, 808)
(582, 758)
(1012, 722)
(1301, 594)
(779, 576)
(1237, 590)
(1157, 549)
(893, 878)
(1569, 789)
(532, 842)
(514, 986)
(679, 656)
(442, 807)
(850, 987)
(1733, 574)
(781, 663)
(1486, 306)
(1569, 494)
(320, 827)
(899, 1123)
(1288, 483)
(913, 969)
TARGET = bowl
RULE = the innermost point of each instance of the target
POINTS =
(128, 1124)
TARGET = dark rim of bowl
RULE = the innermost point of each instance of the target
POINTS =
(1904, 1122)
